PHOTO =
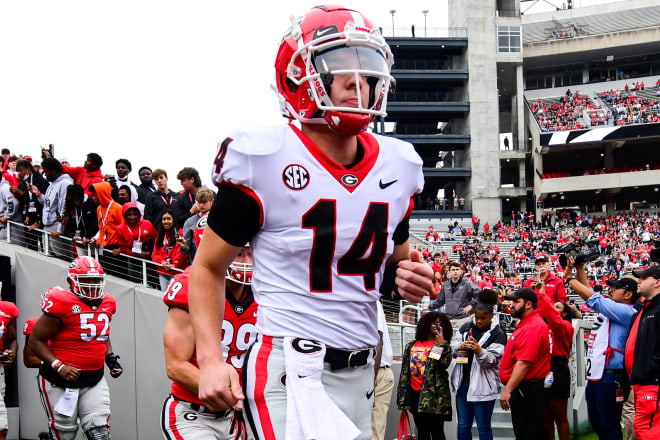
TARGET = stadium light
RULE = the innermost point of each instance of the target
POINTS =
(425, 11)
(392, 11)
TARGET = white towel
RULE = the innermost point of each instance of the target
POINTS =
(310, 413)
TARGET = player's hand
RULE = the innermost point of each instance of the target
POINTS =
(112, 361)
(45, 153)
(69, 373)
(504, 400)
(11, 355)
(219, 387)
(414, 277)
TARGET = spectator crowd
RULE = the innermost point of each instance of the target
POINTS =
(527, 368)
(68, 211)
(565, 114)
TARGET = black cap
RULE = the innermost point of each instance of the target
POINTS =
(541, 259)
(524, 293)
(624, 283)
(652, 271)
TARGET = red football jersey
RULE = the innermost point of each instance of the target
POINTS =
(238, 327)
(81, 343)
(29, 326)
(8, 312)
(199, 229)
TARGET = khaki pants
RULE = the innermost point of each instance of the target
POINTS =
(457, 323)
(628, 416)
(383, 392)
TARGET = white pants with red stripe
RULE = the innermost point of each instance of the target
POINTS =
(264, 384)
(93, 408)
(180, 422)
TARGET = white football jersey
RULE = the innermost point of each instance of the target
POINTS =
(326, 230)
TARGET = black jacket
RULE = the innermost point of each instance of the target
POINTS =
(144, 191)
(646, 366)
(157, 204)
(88, 224)
(30, 205)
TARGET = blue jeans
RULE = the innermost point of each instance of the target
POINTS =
(164, 281)
(604, 411)
(468, 411)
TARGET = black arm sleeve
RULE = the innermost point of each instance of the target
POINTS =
(400, 235)
(388, 287)
(234, 216)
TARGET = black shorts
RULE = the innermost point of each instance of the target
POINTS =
(561, 387)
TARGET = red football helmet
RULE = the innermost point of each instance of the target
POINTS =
(326, 42)
(240, 270)
(86, 278)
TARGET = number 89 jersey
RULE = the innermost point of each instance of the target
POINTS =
(238, 329)
(326, 230)
(81, 342)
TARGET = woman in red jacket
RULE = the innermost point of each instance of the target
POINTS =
(135, 237)
(558, 316)
(167, 251)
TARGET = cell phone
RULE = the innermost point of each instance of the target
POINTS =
(438, 327)
(4, 356)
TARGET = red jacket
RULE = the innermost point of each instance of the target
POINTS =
(170, 252)
(554, 288)
(144, 232)
(561, 331)
(83, 177)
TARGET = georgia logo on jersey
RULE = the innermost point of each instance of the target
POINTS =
(199, 229)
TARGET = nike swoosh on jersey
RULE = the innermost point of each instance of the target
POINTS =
(370, 393)
(385, 185)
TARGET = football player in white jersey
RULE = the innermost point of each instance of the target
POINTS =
(326, 208)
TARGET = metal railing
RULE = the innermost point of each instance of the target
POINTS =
(424, 32)
(138, 270)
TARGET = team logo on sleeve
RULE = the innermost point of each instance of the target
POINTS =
(295, 177)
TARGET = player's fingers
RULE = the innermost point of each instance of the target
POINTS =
(413, 279)
(412, 297)
(236, 389)
(415, 256)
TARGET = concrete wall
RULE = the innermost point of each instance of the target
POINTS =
(479, 18)
(592, 42)
(136, 333)
(599, 181)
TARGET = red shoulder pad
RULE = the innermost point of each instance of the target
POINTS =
(9, 309)
(58, 301)
(29, 326)
(176, 294)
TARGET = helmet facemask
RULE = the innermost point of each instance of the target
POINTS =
(90, 287)
(240, 273)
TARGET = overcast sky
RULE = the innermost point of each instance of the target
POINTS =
(157, 82)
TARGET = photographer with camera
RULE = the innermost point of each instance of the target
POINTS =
(607, 387)
(554, 287)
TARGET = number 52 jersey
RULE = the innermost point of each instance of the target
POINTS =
(326, 230)
(86, 329)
